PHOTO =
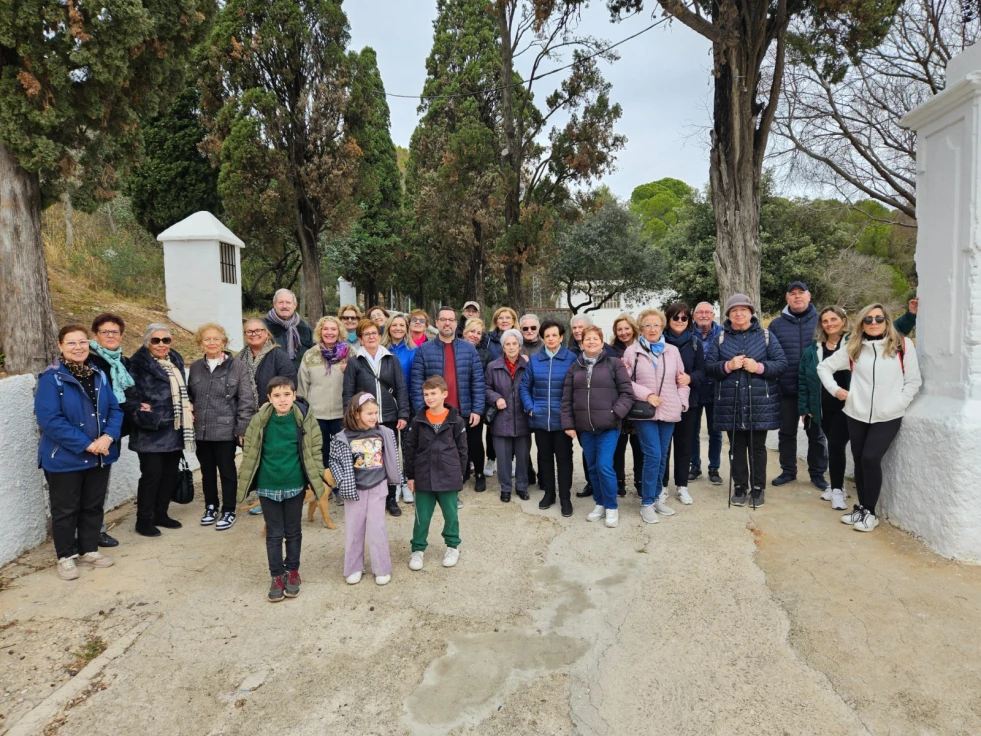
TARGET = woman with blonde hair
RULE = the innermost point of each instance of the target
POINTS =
(321, 378)
(503, 319)
(350, 316)
(816, 404)
(885, 376)
(625, 334)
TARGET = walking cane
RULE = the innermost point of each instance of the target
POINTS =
(732, 438)
(752, 475)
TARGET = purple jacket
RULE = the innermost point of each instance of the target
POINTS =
(512, 421)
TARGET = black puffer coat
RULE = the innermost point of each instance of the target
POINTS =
(795, 333)
(153, 431)
(735, 392)
(693, 357)
(389, 384)
(275, 363)
(599, 401)
(436, 458)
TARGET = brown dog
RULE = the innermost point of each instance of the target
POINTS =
(313, 503)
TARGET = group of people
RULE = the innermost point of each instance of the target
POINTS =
(386, 407)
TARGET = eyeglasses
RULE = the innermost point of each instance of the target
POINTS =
(418, 320)
(533, 328)
(73, 345)
(654, 326)
(110, 333)
(211, 339)
(445, 319)
(368, 334)
(252, 333)
(878, 320)
(158, 340)
(349, 319)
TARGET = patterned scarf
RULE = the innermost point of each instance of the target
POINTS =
(290, 327)
(252, 363)
(119, 377)
(653, 350)
(512, 367)
(334, 355)
(81, 371)
(183, 419)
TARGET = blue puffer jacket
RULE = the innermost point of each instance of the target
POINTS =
(795, 332)
(69, 423)
(734, 392)
(706, 392)
(405, 357)
(693, 357)
(428, 362)
(541, 388)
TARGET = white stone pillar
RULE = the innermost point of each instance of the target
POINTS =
(931, 483)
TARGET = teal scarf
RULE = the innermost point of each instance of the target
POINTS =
(119, 377)
(653, 350)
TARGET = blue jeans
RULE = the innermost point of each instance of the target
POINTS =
(655, 438)
(598, 449)
(715, 439)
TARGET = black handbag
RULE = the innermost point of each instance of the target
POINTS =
(490, 414)
(644, 409)
(184, 490)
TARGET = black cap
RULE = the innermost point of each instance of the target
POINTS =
(797, 285)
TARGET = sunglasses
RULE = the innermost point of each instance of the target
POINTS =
(350, 319)
(158, 340)
(680, 318)
(878, 320)
(529, 329)
(418, 320)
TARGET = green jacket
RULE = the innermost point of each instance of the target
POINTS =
(809, 386)
(311, 453)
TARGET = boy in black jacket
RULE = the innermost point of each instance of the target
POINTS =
(435, 448)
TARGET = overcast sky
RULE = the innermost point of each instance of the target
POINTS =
(662, 80)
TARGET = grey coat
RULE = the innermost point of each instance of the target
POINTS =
(222, 400)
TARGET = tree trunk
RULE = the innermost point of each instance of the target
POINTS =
(69, 220)
(27, 326)
(512, 279)
(313, 288)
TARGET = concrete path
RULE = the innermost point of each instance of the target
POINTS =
(714, 621)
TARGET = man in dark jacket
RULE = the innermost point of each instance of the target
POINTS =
(794, 329)
(707, 330)
(532, 341)
(287, 328)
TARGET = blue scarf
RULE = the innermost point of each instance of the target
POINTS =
(119, 377)
(653, 350)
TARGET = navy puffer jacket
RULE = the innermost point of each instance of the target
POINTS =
(734, 392)
(693, 357)
(706, 392)
(541, 388)
(795, 332)
(428, 362)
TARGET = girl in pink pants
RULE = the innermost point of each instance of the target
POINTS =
(364, 461)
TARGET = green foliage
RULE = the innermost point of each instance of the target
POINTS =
(173, 179)
(657, 204)
(77, 78)
(603, 256)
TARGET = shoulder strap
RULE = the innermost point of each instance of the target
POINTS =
(766, 337)
(722, 336)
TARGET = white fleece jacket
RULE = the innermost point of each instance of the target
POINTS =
(880, 390)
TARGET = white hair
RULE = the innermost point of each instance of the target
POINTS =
(584, 318)
(530, 316)
(285, 291)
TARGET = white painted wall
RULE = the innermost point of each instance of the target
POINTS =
(24, 515)
(604, 318)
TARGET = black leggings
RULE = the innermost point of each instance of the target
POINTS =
(870, 442)
(836, 430)
(620, 459)
(475, 448)
(748, 458)
(682, 440)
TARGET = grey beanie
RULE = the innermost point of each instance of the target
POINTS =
(151, 328)
(739, 300)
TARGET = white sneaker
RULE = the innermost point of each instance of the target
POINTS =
(382, 579)
(838, 499)
(415, 561)
(648, 514)
(451, 557)
(867, 523)
(682, 494)
(612, 518)
(67, 569)
(227, 521)
(491, 467)
(661, 507)
(852, 517)
(407, 496)
(596, 514)
(828, 493)
(354, 578)
(95, 559)
(210, 516)
(459, 502)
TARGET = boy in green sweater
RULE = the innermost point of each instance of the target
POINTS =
(281, 458)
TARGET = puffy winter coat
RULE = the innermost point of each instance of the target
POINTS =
(469, 375)
(706, 392)
(742, 400)
(599, 400)
(387, 386)
(693, 356)
(809, 386)
(662, 381)
(881, 388)
(279, 335)
(436, 458)
(541, 388)
(153, 431)
(794, 332)
(405, 356)
(222, 399)
(512, 421)
(494, 346)
(69, 422)
(274, 363)
(309, 444)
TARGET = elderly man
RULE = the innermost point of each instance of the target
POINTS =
(579, 323)
(707, 330)
(794, 329)
(530, 325)
(289, 331)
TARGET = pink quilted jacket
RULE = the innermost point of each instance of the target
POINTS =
(647, 380)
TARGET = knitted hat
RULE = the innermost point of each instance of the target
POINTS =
(739, 300)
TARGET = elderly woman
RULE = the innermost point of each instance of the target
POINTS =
(162, 427)
(745, 361)
(221, 395)
(473, 332)
(509, 428)
(350, 316)
(655, 366)
(625, 334)
(595, 398)
(81, 424)
(321, 380)
(418, 326)
(106, 354)
(264, 360)
(373, 369)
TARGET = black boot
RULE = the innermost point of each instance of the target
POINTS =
(548, 500)
(587, 491)
(566, 504)
(505, 497)
(391, 505)
(523, 495)
(481, 484)
(146, 528)
(167, 523)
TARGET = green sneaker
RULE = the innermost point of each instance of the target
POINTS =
(291, 582)
(277, 589)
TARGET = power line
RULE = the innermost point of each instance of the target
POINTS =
(521, 83)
